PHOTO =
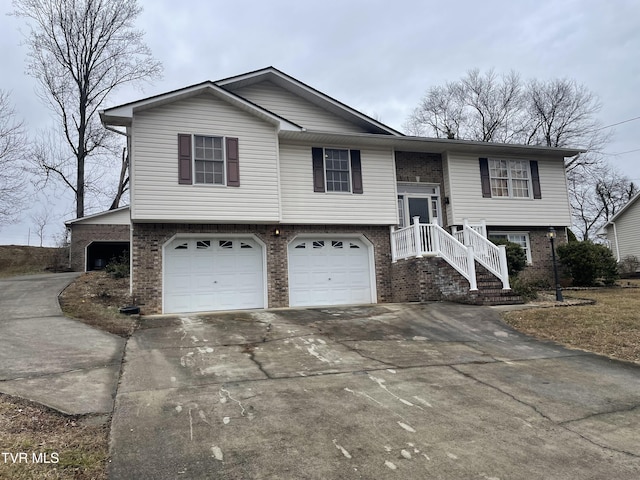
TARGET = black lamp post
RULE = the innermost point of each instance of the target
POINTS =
(552, 235)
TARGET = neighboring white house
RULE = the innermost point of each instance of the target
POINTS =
(259, 191)
(623, 231)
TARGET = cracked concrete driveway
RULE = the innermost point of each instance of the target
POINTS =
(437, 391)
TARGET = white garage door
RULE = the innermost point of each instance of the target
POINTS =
(331, 271)
(212, 274)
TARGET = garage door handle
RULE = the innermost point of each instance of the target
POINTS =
(329, 278)
(215, 281)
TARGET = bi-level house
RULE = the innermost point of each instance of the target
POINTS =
(259, 191)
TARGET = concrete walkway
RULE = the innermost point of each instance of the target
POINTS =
(50, 359)
(438, 391)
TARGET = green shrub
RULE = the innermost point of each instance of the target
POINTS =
(527, 290)
(516, 258)
(118, 267)
(588, 262)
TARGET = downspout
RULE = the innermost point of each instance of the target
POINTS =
(125, 134)
(615, 237)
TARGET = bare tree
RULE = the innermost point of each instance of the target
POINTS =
(483, 107)
(123, 181)
(40, 221)
(12, 147)
(490, 108)
(80, 51)
(564, 114)
(597, 193)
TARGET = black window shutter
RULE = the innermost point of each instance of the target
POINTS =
(356, 171)
(233, 163)
(184, 159)
(535, 179)
(484, 178)
(318, 169)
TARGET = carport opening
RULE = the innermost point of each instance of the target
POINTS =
(101, 253)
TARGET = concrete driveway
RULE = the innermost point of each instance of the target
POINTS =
(51, 359)
(436, 391)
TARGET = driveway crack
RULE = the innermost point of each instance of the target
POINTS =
(249, 349)
(562, 425)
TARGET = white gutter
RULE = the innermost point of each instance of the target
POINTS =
(615, 237)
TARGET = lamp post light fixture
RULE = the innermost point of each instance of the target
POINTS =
(552, 235)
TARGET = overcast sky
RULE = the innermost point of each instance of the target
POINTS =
(376, 56)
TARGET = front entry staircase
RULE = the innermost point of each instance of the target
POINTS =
(468, 251)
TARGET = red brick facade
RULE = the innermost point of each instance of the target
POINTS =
(147, 251)
(540, 270)
(82, 235)
(424, 168)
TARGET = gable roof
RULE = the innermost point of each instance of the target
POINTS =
(122, 115)
(633, 200)
(102, 216)
(308, 93)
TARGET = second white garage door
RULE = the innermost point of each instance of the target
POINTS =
(329, 271)
(213, 274)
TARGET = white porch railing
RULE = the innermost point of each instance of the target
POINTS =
(427, 239)
(492, 257)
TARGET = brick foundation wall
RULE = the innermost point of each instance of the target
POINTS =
(83, 235)
(541, 268)
(427, 279)
(427, 167)
(148, 240)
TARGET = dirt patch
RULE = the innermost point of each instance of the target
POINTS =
(74, 447)
(24, 260)
(609, 325)
(95, 298)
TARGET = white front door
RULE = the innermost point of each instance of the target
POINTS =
(329, 271)
(213, 274)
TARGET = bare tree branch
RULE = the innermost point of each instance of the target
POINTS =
(12, 150)
(80, 51)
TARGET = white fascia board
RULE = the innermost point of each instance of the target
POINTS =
(633, 200)
(431, 145)
(122, 115)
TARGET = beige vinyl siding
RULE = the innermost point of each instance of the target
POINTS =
(466, 201)
(156, 194)
(628, 231)
(296, 109)
(117, 217)
(300, 204)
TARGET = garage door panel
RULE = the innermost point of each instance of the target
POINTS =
(329, 272)
(213, 274)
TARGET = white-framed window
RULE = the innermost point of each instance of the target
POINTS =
(337, 170)
(209, 160)
(521, 238)
(510, 178)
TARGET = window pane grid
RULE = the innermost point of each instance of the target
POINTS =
(337, 170)
(209, 160)
(509, 178)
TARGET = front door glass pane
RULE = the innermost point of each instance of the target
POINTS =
(419, 207)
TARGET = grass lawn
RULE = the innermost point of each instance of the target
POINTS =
(95, 298)
(79, 444)
(610, 327)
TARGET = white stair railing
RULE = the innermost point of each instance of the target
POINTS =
(489, 255)
(427, 239)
